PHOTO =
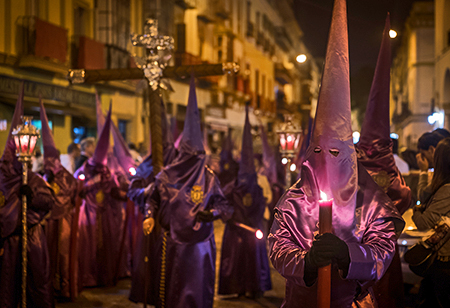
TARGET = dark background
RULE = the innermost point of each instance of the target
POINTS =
(366, 20)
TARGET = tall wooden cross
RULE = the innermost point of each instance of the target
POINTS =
(153, 68)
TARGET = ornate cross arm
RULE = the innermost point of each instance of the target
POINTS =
(184, 71)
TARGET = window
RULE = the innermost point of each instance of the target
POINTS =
(113, 22)
(122, 126)
(80, 21)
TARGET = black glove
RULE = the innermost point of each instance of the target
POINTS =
(26, 190)
(49, 176)
(205, 216)
(326, 248)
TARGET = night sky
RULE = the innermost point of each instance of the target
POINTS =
(365, 21)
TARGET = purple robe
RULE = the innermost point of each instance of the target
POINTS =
(371, 239)
(58, 229)
(244, 266)
(137, 193)
(187, 248)
(39, 287)
(100, 227)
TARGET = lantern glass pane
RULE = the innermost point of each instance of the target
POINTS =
(32, 144)
(283, 141)
(297, 140)
(24, 139)
(17, 142)
(290, 141)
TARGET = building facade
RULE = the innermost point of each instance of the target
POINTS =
(442, 56)
(412, 77)
(42, 39)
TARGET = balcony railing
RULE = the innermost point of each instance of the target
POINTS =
(42, 39)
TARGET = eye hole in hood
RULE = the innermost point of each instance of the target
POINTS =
(334, 152)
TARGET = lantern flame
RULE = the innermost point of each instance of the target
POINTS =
(259, 235)
(81, 177)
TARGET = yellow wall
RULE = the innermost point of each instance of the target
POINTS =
(62, 126)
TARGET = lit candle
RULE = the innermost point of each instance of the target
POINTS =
(324, 273)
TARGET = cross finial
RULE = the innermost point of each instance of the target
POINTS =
(152, 65)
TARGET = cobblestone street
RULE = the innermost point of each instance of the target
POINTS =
(117, 297)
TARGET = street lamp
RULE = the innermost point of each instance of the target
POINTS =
(25, 137)
(392, 34)
(289, 136)
(301, 58)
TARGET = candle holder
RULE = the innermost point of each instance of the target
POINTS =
(25, 137)
(289, 136)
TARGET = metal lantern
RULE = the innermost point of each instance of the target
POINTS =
(289, 136)
(25, 137)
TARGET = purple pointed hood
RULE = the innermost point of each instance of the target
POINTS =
(306, 140)
(226, 155)
(9, 154)
(101, 151)
(50, 150)
(174, 127)
(375, 146)
(377, 112)
(121, 151)
(192, 141)
(331, 155)
(247, 164)
(145, 169)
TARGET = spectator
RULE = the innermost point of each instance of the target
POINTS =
(87, 146)
(426, 145)
(443, 132)
(68, 160)
(436, 283)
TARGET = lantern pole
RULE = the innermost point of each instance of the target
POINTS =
(25, 137)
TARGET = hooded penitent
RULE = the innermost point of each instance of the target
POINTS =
(375, 145)
(58, 229)
(244, 265)
(11, 176)
(228, 166)
(100, 221)
(137, 193)
(363, 216)
(182, 190)
(39, 289)
(306, 139)
(119, 160)
(375, 154)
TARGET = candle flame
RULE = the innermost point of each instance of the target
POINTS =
(259, 235)
(132, 170)
(323, 196)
